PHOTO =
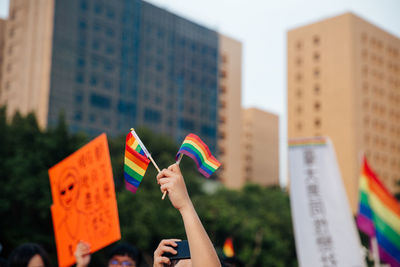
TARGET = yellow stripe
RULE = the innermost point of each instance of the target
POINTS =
(364, 183)
(202, 153)
(134, 167)
(135, 144)
(384, 213)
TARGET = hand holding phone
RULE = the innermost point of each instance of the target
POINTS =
(183, 251)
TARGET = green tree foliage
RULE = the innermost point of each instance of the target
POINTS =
(258, 219)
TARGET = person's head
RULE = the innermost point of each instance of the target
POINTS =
(124, 254)
(29, 255)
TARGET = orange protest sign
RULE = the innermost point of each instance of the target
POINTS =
(84, 204)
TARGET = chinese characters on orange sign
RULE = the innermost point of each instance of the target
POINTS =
(84, 204)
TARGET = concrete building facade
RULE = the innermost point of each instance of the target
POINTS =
(343, 82)
(111, 65)
(260, 156)
(230, 115)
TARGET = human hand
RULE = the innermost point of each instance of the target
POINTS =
(171, 180)
(164, 246)
(82, 254)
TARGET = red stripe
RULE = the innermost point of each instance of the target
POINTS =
(380, 190)
(204, 147)
(136, 157)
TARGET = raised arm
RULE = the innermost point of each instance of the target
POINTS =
(201, 249)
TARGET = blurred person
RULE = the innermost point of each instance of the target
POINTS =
(122, 254)
(29, 255)
(202, 252)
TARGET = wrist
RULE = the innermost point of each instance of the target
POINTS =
(186, 209)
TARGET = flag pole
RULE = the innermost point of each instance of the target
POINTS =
(177, 162)
(146, 152)
(375, 252)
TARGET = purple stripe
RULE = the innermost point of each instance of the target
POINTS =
(387, 258)
(195, 158)
(130, 187)
(366, 225)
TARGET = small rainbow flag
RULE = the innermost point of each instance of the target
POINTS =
(193, 147)
(136, 162)
(228, 248)
(379, 215)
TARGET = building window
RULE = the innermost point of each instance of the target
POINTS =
(316, 73)
(317, 123)
(316, 89)
(316, 56)
(100, 101)
(316, 40)
(317, 106)
(299, 45)
(299, 126)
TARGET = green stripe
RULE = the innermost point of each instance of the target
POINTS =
(132, 173)
(386, 230)
(364, 198)
(203, 162)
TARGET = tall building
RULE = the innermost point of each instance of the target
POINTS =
(260, 131)
(229, 124)
(343, 82)
(26, 60)
(111, 65)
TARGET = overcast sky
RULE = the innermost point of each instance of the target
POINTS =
(261, 26)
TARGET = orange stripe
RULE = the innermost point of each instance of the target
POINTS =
(136, 160)
(205, 149)
(383, 196)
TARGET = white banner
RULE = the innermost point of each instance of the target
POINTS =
(324, 227)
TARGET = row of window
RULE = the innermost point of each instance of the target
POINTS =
(379, 45)
(316, 40)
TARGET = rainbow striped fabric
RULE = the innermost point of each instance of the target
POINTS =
(136, 163)
(379, 215)
(196, 149)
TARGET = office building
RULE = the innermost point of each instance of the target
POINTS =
(111, 65)
(344, 82)
(230, 115)
(260, 132)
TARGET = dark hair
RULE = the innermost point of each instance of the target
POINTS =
(125, 249)
(21, 255)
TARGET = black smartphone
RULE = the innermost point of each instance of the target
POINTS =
(182, 250)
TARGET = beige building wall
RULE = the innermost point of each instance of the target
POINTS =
(27, 58)
(2, 36)
(343, 82)
(229, 125)
(260, 134)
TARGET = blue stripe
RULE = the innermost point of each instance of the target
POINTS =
(131, 180)
(198, 159)
(366, 211)
(388, 246)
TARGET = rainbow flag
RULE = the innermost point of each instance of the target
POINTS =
(228, 248)
(193, 147)
(379, 215)
(135, 163)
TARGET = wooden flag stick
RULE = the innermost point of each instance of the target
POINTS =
(177, 162)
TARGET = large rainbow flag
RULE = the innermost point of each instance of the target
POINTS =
(196, 149)
(379, 215)
(136, 162)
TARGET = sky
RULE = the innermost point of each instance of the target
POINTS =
(261, 26)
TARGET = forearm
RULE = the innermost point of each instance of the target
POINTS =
(201, 248)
